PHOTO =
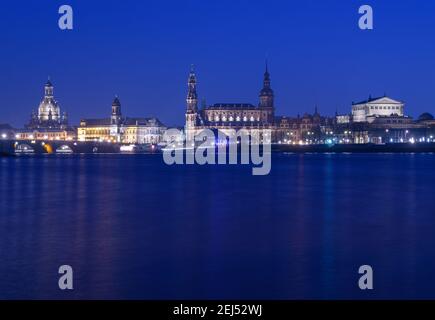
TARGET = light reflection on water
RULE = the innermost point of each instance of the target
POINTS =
(133, 227)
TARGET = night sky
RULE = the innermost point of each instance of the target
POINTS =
(142, 51)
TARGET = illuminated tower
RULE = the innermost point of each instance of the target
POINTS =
(266, 98)
(116, 120)
(191, 105)
(116, 112)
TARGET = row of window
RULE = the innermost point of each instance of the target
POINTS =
(97, 132)
(142, 132)
(384, 108)
(224, 118)
(41, 136)
(395, 121)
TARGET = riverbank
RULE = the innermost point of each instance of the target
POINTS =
(357, 148)
(7, 148)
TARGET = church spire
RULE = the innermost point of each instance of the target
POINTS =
(192, 96)
(266, 94)
(266, 79)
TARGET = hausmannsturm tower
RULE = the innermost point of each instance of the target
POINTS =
(192, 105)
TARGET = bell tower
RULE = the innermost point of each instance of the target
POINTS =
(116, 112)
(191, 105)
(267, 97)
(116, 120)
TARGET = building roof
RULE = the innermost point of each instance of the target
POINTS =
(125, 121)
(5, 126)
(383, 99)
(425, 117)
(231, 106)
(96, 122)
(143, 121)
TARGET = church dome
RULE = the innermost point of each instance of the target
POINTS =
(49, 109)
(425, 117)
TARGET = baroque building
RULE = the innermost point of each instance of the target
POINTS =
(308, 129)
(254, 118)
(375, 120)
(369, 110)
(47, 123)
(383, 120)
(48, 114)
(226, 116)
(121, 129)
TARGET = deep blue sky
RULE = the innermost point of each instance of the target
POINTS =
(142, 50)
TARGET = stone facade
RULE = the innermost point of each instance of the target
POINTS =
(121, 129)
(368, 110)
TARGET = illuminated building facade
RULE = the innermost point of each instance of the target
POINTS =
(121, 130)
(48, 115)
(253, 118)
(230, 116)
(47, 123)
(369, 110)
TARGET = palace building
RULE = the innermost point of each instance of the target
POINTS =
(254, 118)
(369, 110)
(48, 123)
(226, 116)
(121, 129)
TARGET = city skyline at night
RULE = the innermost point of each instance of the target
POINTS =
(217, 159)
(317, 54)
